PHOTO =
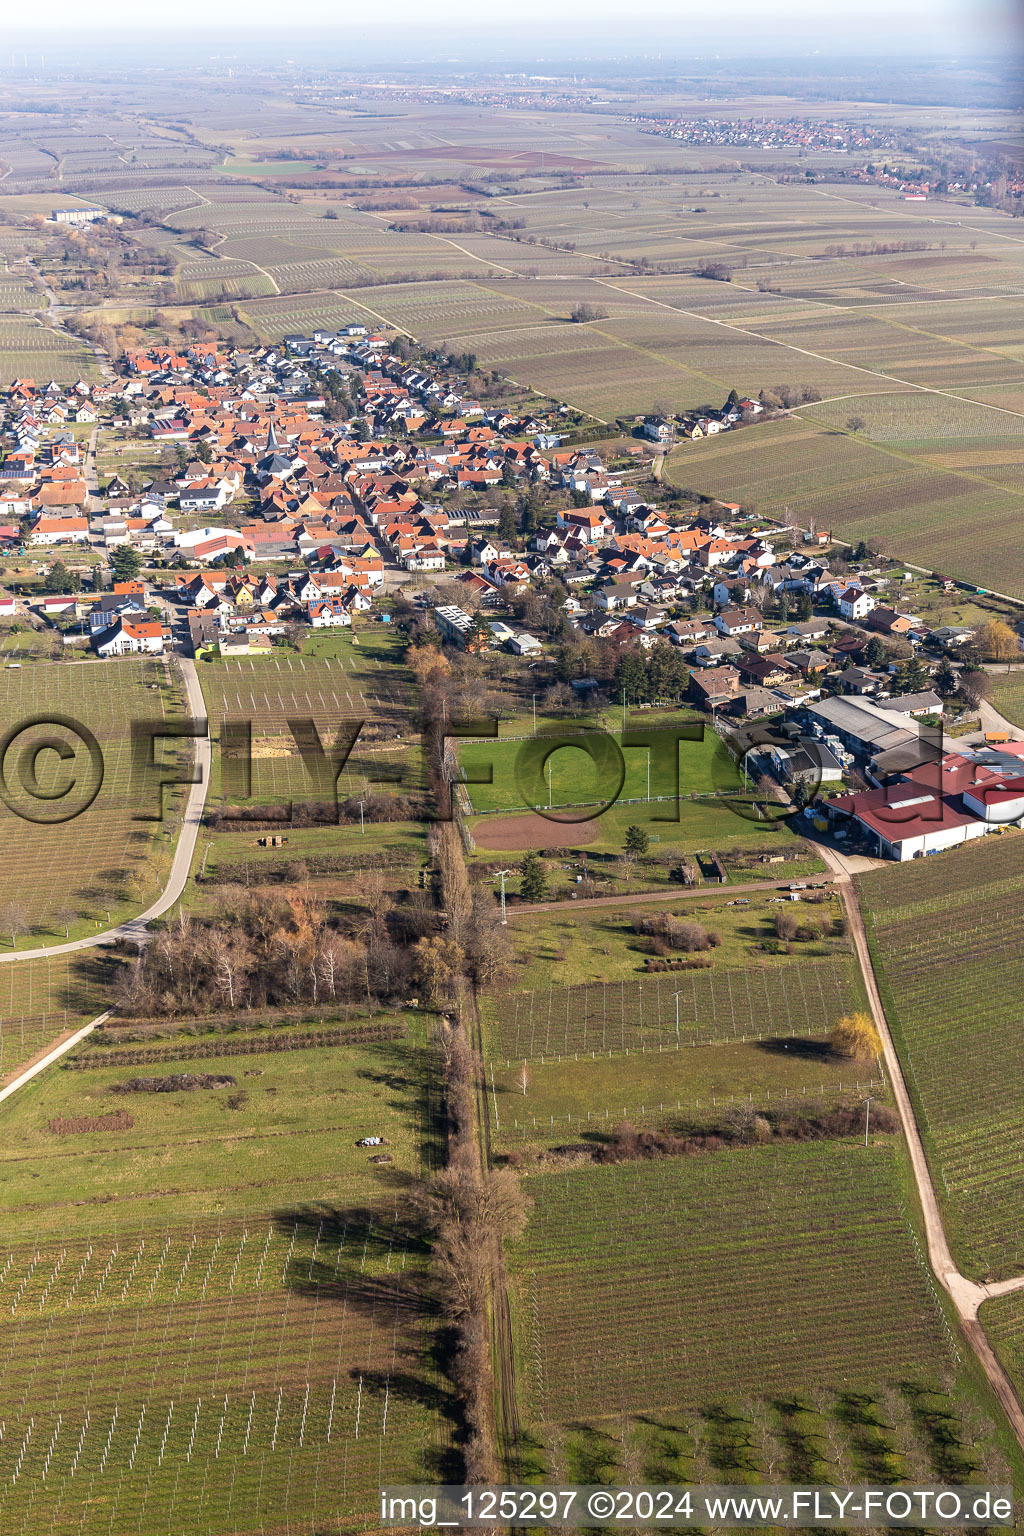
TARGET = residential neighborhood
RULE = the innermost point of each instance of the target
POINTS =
(334, 481)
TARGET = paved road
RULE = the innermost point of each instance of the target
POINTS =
(136, 928)
(53, 1054)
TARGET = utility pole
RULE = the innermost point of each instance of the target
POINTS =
(867, 1117)
(503, 875)
(535, 714)
(623, 709)
(362, 828)
(677, 996)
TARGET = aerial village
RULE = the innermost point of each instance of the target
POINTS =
(337, 480)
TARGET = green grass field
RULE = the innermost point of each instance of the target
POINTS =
(571, 777)
(600, 944)
(947, 942)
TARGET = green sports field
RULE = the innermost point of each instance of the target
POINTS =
(514, 778)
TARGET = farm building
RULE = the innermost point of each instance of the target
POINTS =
(939, 805)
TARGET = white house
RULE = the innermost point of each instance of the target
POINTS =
(426, 559)
(328, 613)
(855, 604)
(60, 530)
(126, 637)
(738, 621)
(206, 496)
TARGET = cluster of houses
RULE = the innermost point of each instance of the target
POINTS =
(43, 491)
(698, 424)
(346, 510)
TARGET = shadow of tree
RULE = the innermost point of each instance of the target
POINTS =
(373, 1262)
(794, 1045)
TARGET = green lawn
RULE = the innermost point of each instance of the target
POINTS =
(189, 1156)
(595, 944)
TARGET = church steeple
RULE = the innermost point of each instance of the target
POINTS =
(272, 443)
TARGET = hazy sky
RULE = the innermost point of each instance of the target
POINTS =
(867, 27)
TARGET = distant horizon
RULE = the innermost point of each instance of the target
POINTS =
(654, 31)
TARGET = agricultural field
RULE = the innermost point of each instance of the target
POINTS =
(947, 943)
(1008, 695)
(639, 1015)
(863, 490)
(582, 1099)
(1003, 1321)
(40, 999)
(108, 862)
(31, 350)
(337, 681)
(811, 1245)
(231, 1318)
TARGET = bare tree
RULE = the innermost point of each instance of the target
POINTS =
(64, 917)
(14, 920)
(524, 1077)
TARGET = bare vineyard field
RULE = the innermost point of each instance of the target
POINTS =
(40, 999)
(1008, 696)
(108, 859)
(584, 1098)
(1003, 1320)
(639, 1016)
(949, 951)
(267, 1372)
(863, 491)
(31, 350)
(335, 683)
(631, 1279)
(247, 1346)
